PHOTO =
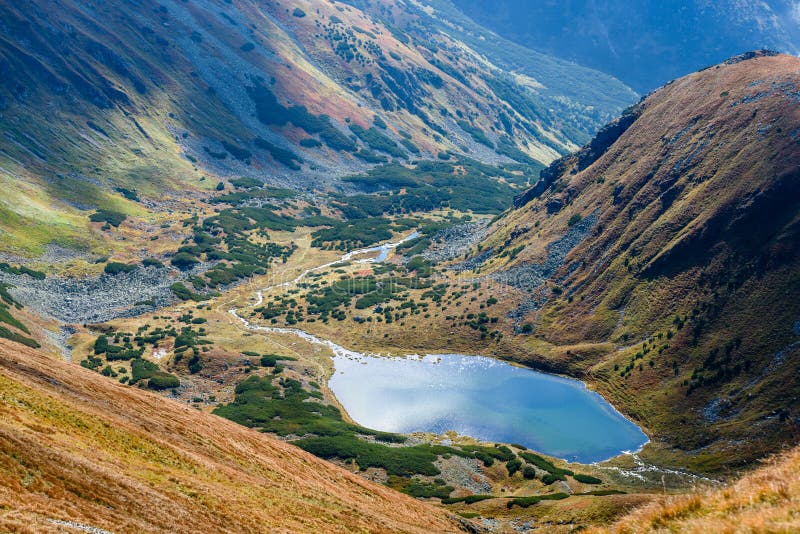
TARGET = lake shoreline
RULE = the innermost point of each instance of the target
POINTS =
(339, 351)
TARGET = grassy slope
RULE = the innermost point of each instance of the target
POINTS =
(704, 228)
(129, 99)
(697, 219)
(76, 446)
(764, 501)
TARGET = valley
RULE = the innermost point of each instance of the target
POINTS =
(369, 266)
(273, 378)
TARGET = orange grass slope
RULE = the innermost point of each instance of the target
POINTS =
(75, 446)
(767, 500)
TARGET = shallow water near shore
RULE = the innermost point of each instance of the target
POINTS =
(485, 399)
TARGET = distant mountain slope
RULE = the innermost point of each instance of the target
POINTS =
(77, 447)
(675, 237)
(643, 43)
(159, 98)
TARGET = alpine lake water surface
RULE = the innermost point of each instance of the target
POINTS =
(475, 396)
(483, 398)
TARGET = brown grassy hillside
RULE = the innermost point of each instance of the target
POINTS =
(674, 237)
(765, 501)
(75, 446)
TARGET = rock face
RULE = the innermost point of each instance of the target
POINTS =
(694, 260)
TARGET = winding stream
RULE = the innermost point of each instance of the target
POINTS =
(473, 395)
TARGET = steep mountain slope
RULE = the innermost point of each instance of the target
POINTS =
(662, 261)
(138, 107)
(643, 43)
(77, 447)
(764, 501)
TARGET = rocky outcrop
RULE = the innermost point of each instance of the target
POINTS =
(582, 159)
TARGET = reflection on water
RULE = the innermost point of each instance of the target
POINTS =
(483, 398)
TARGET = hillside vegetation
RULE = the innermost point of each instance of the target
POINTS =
(78, 447)
(764, 501)
(147, 112)
(673, 236)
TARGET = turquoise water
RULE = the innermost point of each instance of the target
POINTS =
(485, 399)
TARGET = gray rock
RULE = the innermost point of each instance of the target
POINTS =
(531, 277)
(98, 299)
(452, 242)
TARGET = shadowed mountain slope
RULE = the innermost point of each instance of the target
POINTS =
(643, 43)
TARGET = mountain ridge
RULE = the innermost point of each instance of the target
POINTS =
(690, 214)
(643, 44)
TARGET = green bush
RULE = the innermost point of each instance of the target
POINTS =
(586, 479)
(268, 361)
(310, 142)
(410, 146)
(101, 344)
(123, 354)
(550, 478)
(425, 490)
(195, 364)
(129, 194)
(246, 182)
(281, 155)
(242, 154)
(142, 369)
(6, 317)
(114, 218)
(37, 275)
(525, 502)
(529, 472)
(114, 268)
(544, 464)
(373, 138)
(299, 13)
(163, 381)
(150, 262)
(184, 260)
(91, 362)
(184, 293)
(469, 499)
(476, 133)
(400, 461)
(513, 466)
